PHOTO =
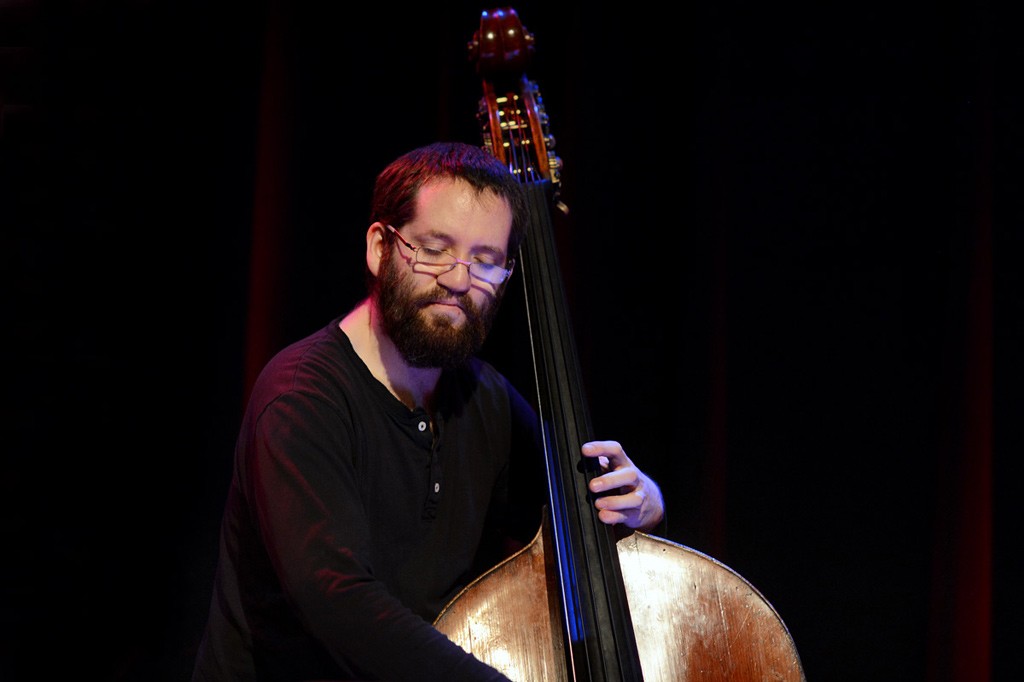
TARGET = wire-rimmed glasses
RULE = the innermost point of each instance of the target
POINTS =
(440, 262)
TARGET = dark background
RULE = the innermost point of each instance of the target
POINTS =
(792, 241)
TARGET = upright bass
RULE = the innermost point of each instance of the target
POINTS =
(579, 603)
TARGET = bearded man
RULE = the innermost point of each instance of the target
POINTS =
(381, 465)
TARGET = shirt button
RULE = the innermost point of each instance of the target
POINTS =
(423, 426)
(437, 487)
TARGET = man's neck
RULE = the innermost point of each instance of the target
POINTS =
(414, 386)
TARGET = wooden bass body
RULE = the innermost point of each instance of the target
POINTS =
(695, 619)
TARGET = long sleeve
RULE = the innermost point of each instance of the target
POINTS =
(349, 524)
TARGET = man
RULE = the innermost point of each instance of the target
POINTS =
(380, 465)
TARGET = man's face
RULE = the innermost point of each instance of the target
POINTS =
(440, 320)
(425, 338)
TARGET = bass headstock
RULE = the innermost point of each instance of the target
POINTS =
(513, 121)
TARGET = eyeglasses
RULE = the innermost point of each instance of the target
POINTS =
(440, 262)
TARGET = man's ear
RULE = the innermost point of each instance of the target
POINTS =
(375, 246)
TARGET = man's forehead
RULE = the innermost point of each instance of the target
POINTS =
(446, 205)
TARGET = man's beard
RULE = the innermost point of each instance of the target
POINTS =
(426, 340)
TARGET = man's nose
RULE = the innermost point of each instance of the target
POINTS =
(457, 279)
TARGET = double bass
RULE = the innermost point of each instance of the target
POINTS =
(581, 602)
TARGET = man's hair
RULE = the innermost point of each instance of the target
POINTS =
(394, 192)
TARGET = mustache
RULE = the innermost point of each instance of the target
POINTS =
(441, 296)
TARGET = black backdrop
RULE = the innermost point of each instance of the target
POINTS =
(779, 256)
